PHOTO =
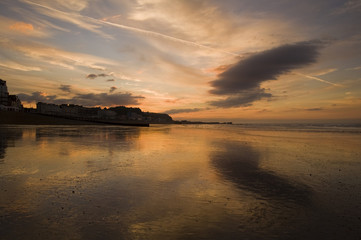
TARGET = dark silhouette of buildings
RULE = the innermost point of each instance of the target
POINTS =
(8, 102)
(119, 113)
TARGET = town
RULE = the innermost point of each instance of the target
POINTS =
(119, 114)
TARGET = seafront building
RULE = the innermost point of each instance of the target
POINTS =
(120, 113)
(8, 102)
(67, 110)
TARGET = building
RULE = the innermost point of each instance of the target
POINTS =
(4, 94)
(67, 110)
(8, 102)
(49, 109)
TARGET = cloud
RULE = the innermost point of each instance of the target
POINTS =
(184, 110)
(92, 75)
(65, 88)
(44, 54)
(244, 99)
(326, 71)
(78, 20)
(103, 75)
(105, 99)
(37, 97)
(314, 109)
(16, 66)
(212, 23)
(219, 69)
(93, 25)
(349, 6)
(110, 80)
(354, 68)
(22, 27)
(73, 5)
(319, 79)
(88, 99)
(112, 89)
(267, 65)
(12, 27)
(241, 82)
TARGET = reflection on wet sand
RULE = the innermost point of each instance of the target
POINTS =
(8, 137)
(164, 182)
(239, 162)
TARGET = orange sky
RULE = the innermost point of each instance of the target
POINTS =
(192, 59)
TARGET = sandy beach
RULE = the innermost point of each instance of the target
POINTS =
(179, 182)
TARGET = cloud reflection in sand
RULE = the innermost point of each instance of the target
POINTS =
(240, 163)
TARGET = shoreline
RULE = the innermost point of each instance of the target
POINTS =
(23, 118)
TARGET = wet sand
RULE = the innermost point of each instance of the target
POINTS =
(179, 182)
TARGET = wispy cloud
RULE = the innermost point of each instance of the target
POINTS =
(73, 18)
(17, 66)
(93, 25)
(11, 27)
(354, 68)
(54, 56)
(112, 89)
(184, 110)
(319, 79)
(156, 34)
(349, 6)
(325, 71)
(212, 24)
(73, 5)
(65, 88)
(22, 27)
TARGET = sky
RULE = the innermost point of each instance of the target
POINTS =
(193, 59)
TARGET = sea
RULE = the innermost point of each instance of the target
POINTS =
(206, 181)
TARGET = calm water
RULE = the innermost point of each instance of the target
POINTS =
(180, 182)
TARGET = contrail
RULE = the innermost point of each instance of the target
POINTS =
(139, 30)
(164, 36)
(319, 79)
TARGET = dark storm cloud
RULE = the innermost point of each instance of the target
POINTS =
(90, 99)
(243, 99)
(268, 65)
(65, 88)
(241, 82)
(184, 110)
(112, 89)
